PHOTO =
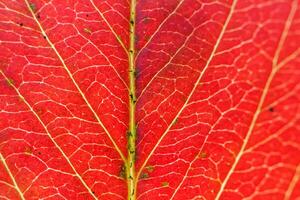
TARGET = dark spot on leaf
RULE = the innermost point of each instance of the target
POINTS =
(183, 99)
(87, 15)
(45, 37)
(165, 184)
(136, 39)
(38, 16)
(203, 155)
(87, 30)
(21, 99)
(150, 168)
(32, 7)
(28, 150)
(21, 24)
(128, 134)
(175, 121)
(147, 38)
(131, 96)
(144, 175)
(271, 109)
(10, 82)
(122, 172)
(39, 111)
(135, 73)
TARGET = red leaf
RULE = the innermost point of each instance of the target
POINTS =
(169, 99)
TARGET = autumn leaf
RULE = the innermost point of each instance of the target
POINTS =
(165, 99)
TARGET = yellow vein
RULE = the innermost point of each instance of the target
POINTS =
(49, 135)
(130, 165)
(271, 137)
(292, 56)
(165, 65)
(74, 82)
(106, 58)
(263, 96)
(293, 183)
(12, 177)
(220, 37)
(195, 85)
(110, 27)
(159, 27)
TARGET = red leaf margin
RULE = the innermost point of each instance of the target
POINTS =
(64, 99)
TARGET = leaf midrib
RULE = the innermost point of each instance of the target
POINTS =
(131, 143)
(276, 67)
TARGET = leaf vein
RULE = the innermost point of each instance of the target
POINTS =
(12, 177)
(74, 82)
(293, 183)
(49, 135)
(159, 27)
(275, 69)
(110, 27)
(195, 86)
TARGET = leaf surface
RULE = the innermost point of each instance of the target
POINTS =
(169, 99)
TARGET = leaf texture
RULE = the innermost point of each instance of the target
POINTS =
(209, 91)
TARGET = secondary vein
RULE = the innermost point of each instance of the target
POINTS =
(74, 82)
(266, 88)
(12, 177)
(110, 27)
(50, 137)
(195, 86)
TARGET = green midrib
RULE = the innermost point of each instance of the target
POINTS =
(130, 165)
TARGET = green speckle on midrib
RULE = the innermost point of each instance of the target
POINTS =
(131, 133)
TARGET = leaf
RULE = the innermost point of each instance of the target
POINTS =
(169, 99)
